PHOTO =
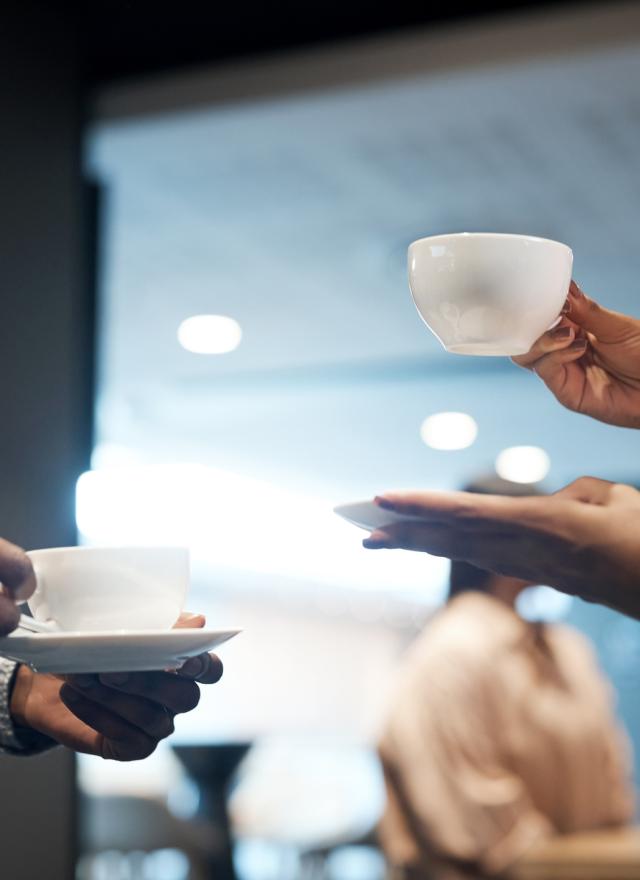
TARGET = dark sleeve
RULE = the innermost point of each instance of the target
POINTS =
(14, 740)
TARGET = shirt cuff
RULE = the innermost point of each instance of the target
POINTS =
(15, 740)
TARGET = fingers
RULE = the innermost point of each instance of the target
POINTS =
(494, 547)
(462, 507)
(606, 325)
(565, 343)
(174, 692)
(558, 339)
(9, 615)
(187, 620)
(549, 367)
(150, 717)
(16, 571)
(205, 668)
(121, 740)
(433, 538)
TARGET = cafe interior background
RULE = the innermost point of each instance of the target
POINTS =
(278, 192)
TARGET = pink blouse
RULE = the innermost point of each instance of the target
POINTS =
(501, 733)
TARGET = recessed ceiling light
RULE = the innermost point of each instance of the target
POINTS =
(449, 430)
(523, 464)
(209, 334)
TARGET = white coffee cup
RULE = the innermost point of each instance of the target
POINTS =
(109, 588)
(488, 293)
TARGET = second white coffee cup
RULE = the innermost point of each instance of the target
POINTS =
(93, 589)
(488, 293)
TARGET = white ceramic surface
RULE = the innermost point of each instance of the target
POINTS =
(367, 515)
(95, 589)
(487, 293)
(110, 652)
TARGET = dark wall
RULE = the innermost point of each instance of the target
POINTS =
(44, 355)
(44, 370)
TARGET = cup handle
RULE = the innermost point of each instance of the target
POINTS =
(42, 612)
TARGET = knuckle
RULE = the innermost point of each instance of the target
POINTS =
(164, 727)
(140, 748)
(217, 671)
(581, 483)
(624, 492)
(157, 723)
(189, 696)
(15, 564)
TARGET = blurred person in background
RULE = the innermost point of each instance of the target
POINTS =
(501, 733)
(583, 539)
(119, 716)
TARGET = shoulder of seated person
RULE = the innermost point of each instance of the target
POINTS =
(472, 626)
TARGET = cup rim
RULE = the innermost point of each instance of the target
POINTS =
(470, 235)
(86, 548)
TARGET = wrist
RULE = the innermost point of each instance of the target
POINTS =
(22, 685)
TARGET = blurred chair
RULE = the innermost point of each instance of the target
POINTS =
(139, 825)
(212, 768)
(309, 799)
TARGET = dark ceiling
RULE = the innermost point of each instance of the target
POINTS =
(128, 39)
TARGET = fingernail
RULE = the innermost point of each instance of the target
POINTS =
(577, 344)
(575, 289)
(115, 678)
(566, 308)
(375, 544)
(562, 332)
(384, 503)
(188, 615)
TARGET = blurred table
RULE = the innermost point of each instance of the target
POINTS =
(212, 767)
(597, 855)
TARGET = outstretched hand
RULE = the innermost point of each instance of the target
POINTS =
(582, 540)
(591, 361)
(121, 716)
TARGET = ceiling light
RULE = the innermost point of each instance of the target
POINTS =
(523, 464)
(449, 430)
(209, 334)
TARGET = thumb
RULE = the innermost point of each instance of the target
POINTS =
(606, 325)
(187, 620)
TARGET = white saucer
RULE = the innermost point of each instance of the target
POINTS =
(68, 652)
(368, 515)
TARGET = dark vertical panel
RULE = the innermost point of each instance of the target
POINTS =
(44, 318)
(45, 371)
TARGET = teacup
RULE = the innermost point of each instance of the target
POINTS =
(109, 588)
(488, 293)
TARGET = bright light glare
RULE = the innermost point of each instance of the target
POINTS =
(209, 334)
(449, 430)
(109, 455)
(234, 522)
(523, 464)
